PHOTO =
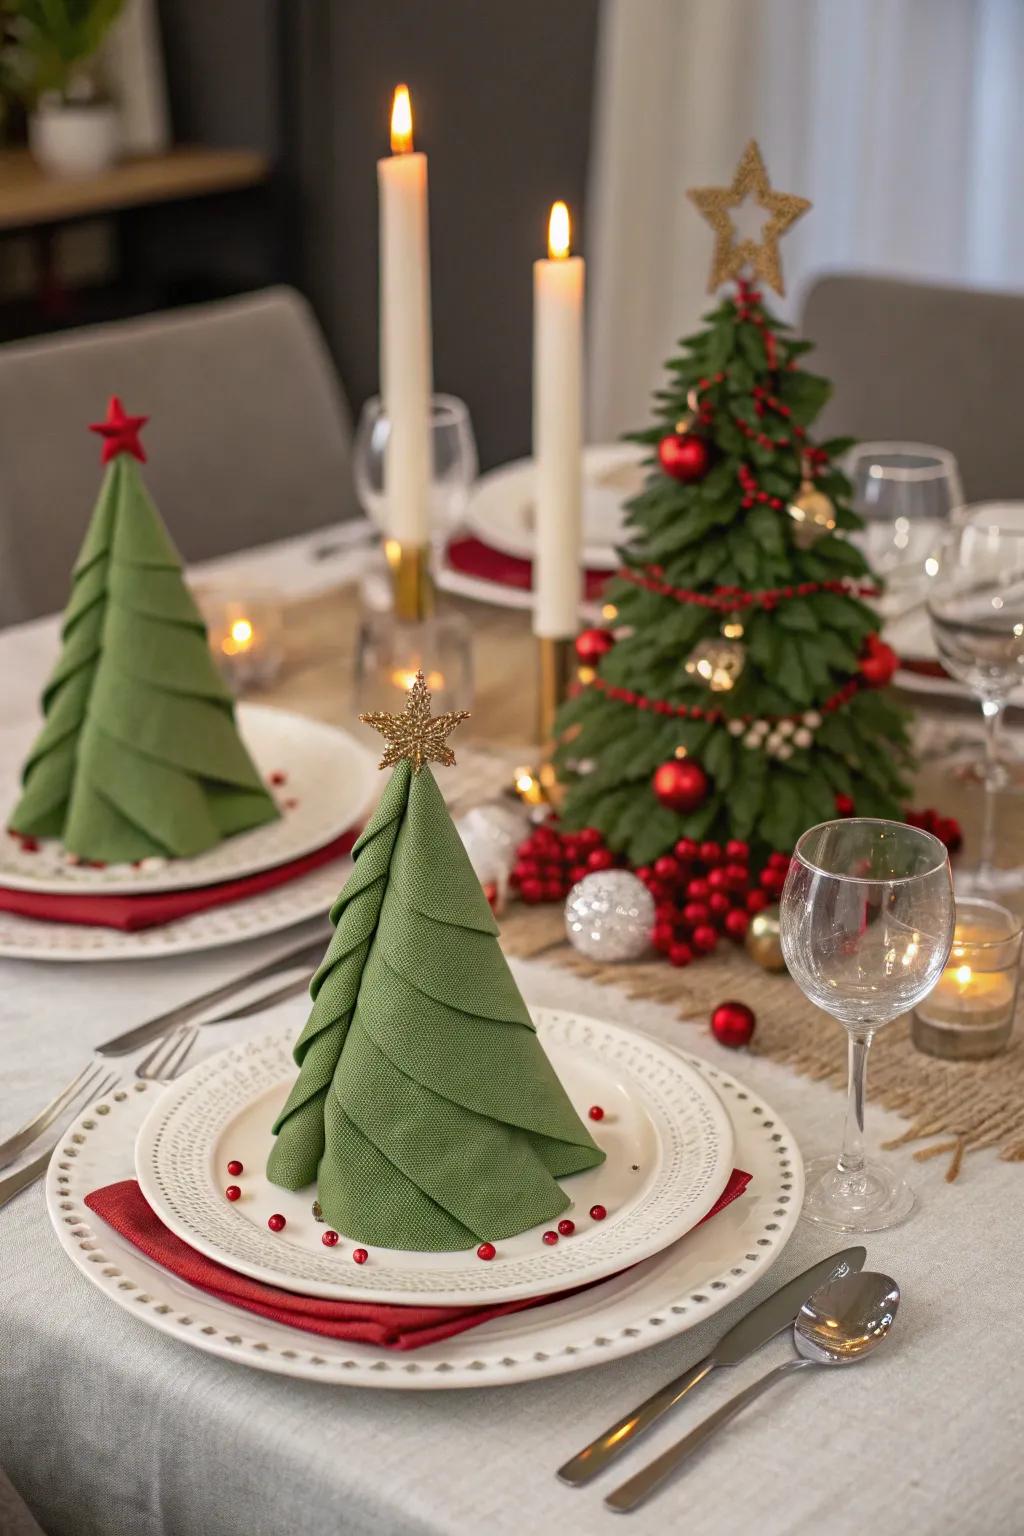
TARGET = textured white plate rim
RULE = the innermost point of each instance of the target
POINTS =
(486, 508)
(660, 1299)
(313, 749)
(174, 1165)
(271, 912)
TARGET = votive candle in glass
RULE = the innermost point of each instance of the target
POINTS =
(970, 1011)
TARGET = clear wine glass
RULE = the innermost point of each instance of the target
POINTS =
(907, 494)
(453, 462)
(866, 927)
(976, 609)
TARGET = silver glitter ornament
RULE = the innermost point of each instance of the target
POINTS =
(609, 916)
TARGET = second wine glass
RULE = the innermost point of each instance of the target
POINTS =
(866, 927)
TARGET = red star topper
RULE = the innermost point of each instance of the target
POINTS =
(120, 433)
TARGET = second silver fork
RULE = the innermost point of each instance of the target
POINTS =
(168, 1057)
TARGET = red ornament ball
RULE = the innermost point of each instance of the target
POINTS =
(486, 1251)
(359, 1255)
(329, 1239)
(732, 1024)
(276, 1223)
(680, 786)
(878, 663)
(598, 1213)
(595, 1112)
(684, 456)
(232, 1192)
(234, 1167)
(592, 644)
(551, 1238)
(566, 1227)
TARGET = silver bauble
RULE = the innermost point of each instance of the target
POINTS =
(491, 834)
(609, 916)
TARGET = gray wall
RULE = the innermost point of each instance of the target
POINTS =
(502, 99)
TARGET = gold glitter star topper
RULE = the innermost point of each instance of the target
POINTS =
(732, 254)
(414, 734)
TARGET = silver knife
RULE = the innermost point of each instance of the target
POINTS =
(773, 1314)
(259, 1004)
(16, 1182)
(308, 953)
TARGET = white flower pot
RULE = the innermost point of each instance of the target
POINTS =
(76, 140)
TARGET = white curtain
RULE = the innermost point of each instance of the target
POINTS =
(902, 120)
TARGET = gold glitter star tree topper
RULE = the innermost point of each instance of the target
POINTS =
(415, 734)
(732, 254)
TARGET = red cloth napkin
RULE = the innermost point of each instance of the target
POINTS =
(123, 1207)
(131, 913)
(475, 558)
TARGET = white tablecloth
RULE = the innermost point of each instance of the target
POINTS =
(108, 1427)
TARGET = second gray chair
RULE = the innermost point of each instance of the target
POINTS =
(250, 438)
(924, 363)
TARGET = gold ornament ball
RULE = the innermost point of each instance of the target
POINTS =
(813, 515)
(763, 943)
(717, 663)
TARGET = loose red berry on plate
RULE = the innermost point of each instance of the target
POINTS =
(595, 1112)
(359, 1255)
(279, 777)
(485, 1251)
(232, 1192)
(551, 1238)
(566, 1227)
(234, 1167)
(276, 1222)
(598, 1213)
(329, 1239)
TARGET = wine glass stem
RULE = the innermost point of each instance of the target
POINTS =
(992, 709)
(851, 1158)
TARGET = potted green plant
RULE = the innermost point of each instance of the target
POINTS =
(73, 127)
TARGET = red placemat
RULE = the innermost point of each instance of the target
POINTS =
(473, 557)
(123, 1207)
(132, 913)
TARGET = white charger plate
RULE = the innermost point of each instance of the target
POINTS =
(502, 506)
(660, 1299)
(668, 1141)
(329, 783)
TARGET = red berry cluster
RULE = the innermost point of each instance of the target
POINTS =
(549, 863)
(945, 828)
(704, 891)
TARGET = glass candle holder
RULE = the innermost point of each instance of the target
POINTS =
(245, 631)
(970, 1011)
(390, 651)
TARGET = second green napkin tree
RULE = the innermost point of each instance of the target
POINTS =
(425, 1107)
(140, 755)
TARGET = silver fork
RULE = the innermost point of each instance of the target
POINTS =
(168, 1057)
(16, 1182)
(86, 1082)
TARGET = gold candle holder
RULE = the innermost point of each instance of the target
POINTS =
(555, 669)
(411, 580)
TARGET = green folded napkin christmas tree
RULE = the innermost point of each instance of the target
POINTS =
(425, 1107)
(140, 755)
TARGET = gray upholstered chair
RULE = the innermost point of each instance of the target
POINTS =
(923, 363)
(250, 438)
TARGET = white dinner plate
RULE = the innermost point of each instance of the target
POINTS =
(669, 1150)
(502, 506)
(324, 782)
(681, 1286)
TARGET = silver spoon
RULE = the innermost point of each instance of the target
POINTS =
(839, 1325)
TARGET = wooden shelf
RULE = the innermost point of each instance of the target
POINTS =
(29, 198)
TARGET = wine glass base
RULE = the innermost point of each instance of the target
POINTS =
(991, 882)
(869, 1201)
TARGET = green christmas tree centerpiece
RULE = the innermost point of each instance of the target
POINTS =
(425, 1108)
(140, 755)
(741, 694)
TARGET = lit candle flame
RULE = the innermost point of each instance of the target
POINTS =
(558, 232)
(401, 122)
(963, 975)
(238, 638)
